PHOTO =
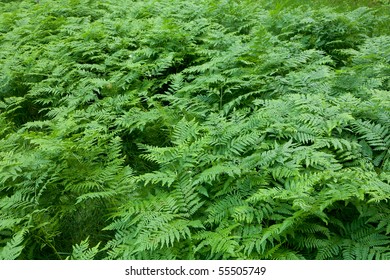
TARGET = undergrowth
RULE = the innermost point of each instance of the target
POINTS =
(168, 129)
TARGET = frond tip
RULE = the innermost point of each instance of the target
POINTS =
(14, 247)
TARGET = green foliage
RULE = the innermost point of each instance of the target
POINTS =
(13, 247)
(170, 129)
(83, 252)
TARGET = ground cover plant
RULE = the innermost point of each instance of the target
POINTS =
(169, 129)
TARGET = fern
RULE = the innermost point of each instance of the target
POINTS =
(83, 252)
(13, 248)
(169, 129)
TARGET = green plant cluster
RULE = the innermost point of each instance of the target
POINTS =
(197, 129)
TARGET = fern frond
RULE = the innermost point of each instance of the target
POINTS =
(13, 247)
(83, 252)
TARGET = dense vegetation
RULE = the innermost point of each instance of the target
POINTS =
(197, 129)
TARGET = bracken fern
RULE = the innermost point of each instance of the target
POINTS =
(168, 129)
